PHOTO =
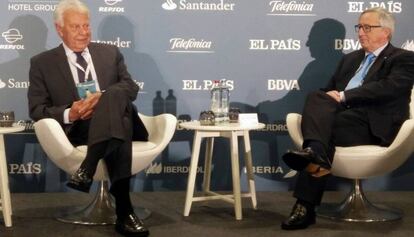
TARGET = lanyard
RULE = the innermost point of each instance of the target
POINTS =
(88, 68)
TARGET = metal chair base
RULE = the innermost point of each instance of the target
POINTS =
(101, 211)
(357, 208)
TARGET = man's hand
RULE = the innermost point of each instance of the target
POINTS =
(74, 112)
(83, 109)
(334, 95)
(89, 105)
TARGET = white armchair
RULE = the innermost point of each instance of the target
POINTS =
(361, 162)
(101, 211)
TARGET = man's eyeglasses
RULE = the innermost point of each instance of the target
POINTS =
(365, 28)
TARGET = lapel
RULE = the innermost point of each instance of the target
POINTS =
(97, 64)
(64, 68)
(379, 62)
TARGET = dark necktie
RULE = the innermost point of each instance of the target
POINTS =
(360, 75)
(82, 62)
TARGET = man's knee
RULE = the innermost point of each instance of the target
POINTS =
(114, 94)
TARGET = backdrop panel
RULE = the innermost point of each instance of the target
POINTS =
(271, 52)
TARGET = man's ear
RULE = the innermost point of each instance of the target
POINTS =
(388, 32)
(59, 29)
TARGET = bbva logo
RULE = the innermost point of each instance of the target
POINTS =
(282, 85)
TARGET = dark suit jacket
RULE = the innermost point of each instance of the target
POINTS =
(385, 92)
(52, 88)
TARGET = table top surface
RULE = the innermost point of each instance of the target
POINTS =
(195, 125)
(14, 128)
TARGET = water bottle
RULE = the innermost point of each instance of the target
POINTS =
(225, 101)
(171, 103)
(215, 99)
(220, 101)
(158, 104)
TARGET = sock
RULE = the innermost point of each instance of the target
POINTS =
(310, 207)
(120, 191)
(94, 154)
(98, 151)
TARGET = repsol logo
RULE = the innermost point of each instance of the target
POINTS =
(111, 8)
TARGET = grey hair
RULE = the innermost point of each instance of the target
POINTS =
(385, 17)
(65, 5)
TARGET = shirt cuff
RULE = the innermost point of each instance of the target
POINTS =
(66, 116)
(342, 96)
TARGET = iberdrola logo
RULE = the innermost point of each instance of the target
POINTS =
(408, 45)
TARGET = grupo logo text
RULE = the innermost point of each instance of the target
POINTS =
(32, 5)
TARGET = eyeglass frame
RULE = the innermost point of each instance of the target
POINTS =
(366, 28)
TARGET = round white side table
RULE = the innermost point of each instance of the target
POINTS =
(5, 202)
(231, 131)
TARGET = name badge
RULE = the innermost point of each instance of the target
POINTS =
(86, 88)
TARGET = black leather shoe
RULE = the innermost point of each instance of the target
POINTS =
(298, 160)
(81, 180)
(131, 226)
(300, 218)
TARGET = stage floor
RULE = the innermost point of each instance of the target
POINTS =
(34, 216)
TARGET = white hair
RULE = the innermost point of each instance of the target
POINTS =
(65, 5)
(386, 19)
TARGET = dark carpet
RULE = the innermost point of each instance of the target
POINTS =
(33, 215)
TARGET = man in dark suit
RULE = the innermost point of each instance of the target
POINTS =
(86, 87)
(365, 102)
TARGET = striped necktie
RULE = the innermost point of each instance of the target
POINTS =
(82, 62)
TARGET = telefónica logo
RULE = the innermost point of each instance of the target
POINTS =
(291, 8)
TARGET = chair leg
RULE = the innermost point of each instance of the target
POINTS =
(101, 211)
(357, 208)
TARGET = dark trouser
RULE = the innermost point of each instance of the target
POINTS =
(330, 124)
(108, 135)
